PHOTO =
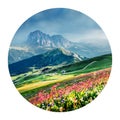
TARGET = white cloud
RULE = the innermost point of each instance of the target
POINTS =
(73, 25)
(95, 36)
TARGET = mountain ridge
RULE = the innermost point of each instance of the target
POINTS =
(39, 43)
(40, 39)
(50, 58)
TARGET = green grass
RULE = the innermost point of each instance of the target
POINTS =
(100, 62)
(71, 70)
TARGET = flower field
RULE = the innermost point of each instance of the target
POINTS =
(62, 96)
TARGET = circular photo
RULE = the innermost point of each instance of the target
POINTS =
(59, 60)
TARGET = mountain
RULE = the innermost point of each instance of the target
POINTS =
(60, 41)
(20, 53)
(53, 57)
(36, 43)
(89, 50)
(17, 54)
(39, 39)
(39, 43)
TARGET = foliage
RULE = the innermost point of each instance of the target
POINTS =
(71, 96)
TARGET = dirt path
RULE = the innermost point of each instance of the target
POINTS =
(88, 65)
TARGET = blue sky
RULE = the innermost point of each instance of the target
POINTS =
(73, 25)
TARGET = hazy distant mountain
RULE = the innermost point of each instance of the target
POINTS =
(60, 41)
(50, 58)
(40, 39)
(89, 50)
(16, 54)
(42, 42)
(37, 43)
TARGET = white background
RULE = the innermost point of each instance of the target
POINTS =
(13, 13)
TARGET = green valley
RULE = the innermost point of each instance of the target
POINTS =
(29, 83)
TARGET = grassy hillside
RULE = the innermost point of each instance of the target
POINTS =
(51, 58)
(29, 84)
(89, 65)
